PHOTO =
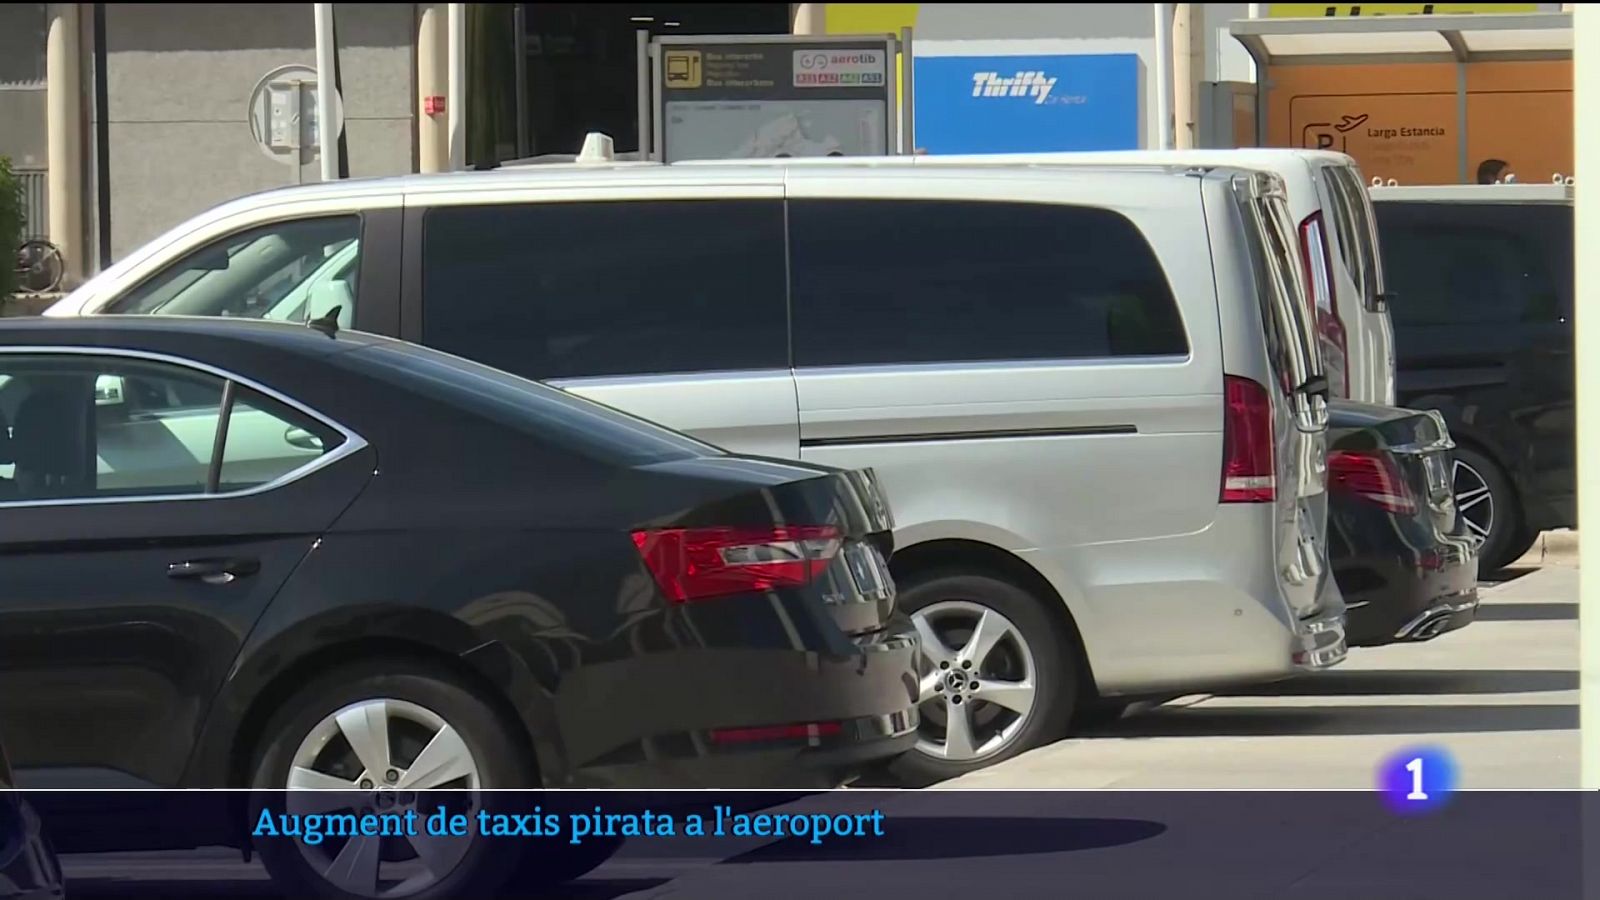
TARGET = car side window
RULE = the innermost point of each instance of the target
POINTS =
(879, 281)
(86, 427)
(1460, 264)
(268, 441)
(562, 290)
(296, 271)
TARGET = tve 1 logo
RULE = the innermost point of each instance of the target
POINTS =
(1022, 104)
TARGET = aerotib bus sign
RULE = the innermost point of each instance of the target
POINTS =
(748, 97)
(827, 68)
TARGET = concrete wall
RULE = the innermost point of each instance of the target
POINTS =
(180, 78)
(22, 31)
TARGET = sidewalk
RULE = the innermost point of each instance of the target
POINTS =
(1500, 695)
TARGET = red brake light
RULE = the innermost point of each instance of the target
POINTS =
(1248, 472)
(1318, 263)
(774, 733)
(693, 564)
(1372, 477)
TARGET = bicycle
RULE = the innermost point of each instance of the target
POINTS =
(39, 266)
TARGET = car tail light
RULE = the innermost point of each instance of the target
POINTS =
(1372, 477)
(1319, 278)
(1248, 471)
(693, 564)
(774, 733)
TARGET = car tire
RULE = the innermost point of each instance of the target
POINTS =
(413, 698)
(1487, 500)
(1024, 645)
(1519, 548)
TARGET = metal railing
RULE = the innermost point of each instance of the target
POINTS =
(35, 204)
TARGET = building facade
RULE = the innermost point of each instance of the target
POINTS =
(126, 119)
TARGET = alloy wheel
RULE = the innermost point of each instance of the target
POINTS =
(379, 756)
(1474, 500)
(978, 681)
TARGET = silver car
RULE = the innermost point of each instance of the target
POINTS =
(1093, 395)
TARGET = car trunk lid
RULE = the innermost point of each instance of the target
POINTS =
(821, 533)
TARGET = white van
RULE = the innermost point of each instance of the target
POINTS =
(1093, 395)
(1337, 233)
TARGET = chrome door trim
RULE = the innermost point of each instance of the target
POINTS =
(353, 443)
(975, 435)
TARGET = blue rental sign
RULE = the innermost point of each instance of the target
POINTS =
(1026, 104)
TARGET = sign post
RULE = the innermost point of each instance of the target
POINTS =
(764, 96)
(286, 116)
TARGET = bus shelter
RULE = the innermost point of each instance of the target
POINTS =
(1422, 99)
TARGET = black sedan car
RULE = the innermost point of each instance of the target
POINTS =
(250, 554)
(1401, 552)
(28, 866)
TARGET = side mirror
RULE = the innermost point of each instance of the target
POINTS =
(1381, 302)
(109, 390)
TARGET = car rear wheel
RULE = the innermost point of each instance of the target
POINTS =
(384, 737)
(1487, 505)
(997, 676)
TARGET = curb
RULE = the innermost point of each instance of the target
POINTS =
(1553, 548)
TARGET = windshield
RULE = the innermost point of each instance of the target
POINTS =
(291, 271)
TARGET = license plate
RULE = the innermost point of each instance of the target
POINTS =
(868, 569)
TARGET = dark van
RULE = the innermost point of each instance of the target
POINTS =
(1482, 291)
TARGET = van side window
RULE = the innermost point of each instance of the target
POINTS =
(292, 271)
(915, 281)
(1460, 264)
(560, 290)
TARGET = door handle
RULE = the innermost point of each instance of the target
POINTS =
(214, 571)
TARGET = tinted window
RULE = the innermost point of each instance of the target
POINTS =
(1458, 263)
(549, 414)
(909, 281)
(87, 427)
(291, 271)
(554, 290)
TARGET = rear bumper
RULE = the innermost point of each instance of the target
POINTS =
(1410, 596)
(1320, 642)
(708, 718)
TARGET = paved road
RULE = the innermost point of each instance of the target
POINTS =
(1500, 695)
